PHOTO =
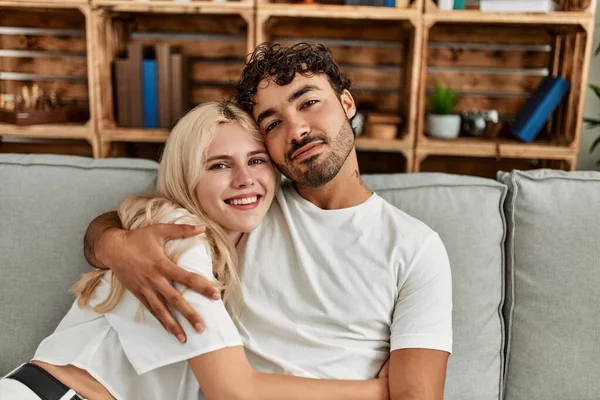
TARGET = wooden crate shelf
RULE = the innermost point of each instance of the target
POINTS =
(377, 55)
(192, 7)
(496, 66)
(216, 45)
(135, 135)
(49, 131)
(488, 167)
(48, 44)
(433, 14)
(338, 11)
(394, 55)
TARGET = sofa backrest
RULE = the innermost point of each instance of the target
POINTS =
(467, 214)
(553, 285)
(46, 204)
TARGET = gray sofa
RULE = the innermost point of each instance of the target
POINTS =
(525, 254)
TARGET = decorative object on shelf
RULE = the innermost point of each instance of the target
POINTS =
(34, 106)
(459, 4)
(478, 123)
(445, 4)
(441, 122)
(537, 6)
(540, 105)
(594, 122)
(382, 126)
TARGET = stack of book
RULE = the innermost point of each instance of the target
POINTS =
(518, 6)
(151, 86)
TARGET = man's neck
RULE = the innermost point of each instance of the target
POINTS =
(345, 190)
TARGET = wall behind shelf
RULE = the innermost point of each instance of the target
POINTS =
(587, 161)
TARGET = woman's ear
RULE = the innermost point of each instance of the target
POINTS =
(348, 103)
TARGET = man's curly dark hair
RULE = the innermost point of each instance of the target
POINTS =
(282, 64)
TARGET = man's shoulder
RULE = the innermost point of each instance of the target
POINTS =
(404, 221)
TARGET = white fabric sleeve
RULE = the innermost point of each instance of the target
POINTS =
(146, 343)
(422, 316)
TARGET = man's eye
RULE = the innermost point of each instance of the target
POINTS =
(310, 103)
(272, 125)
(218, 166)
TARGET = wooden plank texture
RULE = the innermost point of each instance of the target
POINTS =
(55, 66)
(72, 44)
(384, 31)
(494, 82)
(208, 48)
(448, 57)
(42, 18)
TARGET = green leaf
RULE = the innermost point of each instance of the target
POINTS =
(595, 88)
(443, 100)
(591, 122)
(595, 144)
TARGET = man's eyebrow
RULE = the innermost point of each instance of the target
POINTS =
(293, 97)
(265, 114)
(228, 158)
(301, 92)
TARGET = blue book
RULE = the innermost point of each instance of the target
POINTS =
(539, 107)
(149, 94)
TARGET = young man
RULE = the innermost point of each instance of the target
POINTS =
(335, 280)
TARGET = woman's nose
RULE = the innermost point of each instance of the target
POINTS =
(243, 177)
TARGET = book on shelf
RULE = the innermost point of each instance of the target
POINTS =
(122, 92)
(150, 93)
(539, 107)
(163, 66)
(135, 56)
(541, 6)
(179, 85)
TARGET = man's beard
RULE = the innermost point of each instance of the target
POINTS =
(321, 168)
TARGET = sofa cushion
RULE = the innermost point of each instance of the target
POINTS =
(553, 282)
(46, 204)
(467, 213)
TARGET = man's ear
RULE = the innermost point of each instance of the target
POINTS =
(348, 103)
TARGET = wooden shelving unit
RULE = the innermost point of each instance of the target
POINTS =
(376, 47)
(394, 55)
(217, 37)
(495, 61)
(47, 43)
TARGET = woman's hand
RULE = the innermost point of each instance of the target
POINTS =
(138, 259)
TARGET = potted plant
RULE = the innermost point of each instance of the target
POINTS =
(593, 122)
(442, 122)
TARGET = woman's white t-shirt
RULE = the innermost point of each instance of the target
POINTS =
(138, 359)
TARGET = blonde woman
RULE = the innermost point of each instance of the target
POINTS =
(214, 172)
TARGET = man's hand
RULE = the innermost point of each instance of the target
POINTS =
(138, 259)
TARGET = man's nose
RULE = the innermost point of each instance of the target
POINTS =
(297, 128)
(243, 177)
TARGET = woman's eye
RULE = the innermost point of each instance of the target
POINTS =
(218, 166)
(271, 126)
(257, 161)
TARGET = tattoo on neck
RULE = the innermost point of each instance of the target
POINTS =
(356, 174)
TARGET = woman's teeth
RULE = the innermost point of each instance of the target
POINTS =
(247, 200)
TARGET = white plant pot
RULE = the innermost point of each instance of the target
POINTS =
(445, 4)
(443, 126)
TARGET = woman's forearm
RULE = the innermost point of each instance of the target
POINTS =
(283, 387)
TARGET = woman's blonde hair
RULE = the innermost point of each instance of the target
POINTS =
(181, 164)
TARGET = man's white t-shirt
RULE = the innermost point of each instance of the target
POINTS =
(330, 293)
(139, 360)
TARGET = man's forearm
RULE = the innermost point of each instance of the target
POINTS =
(100, 226)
